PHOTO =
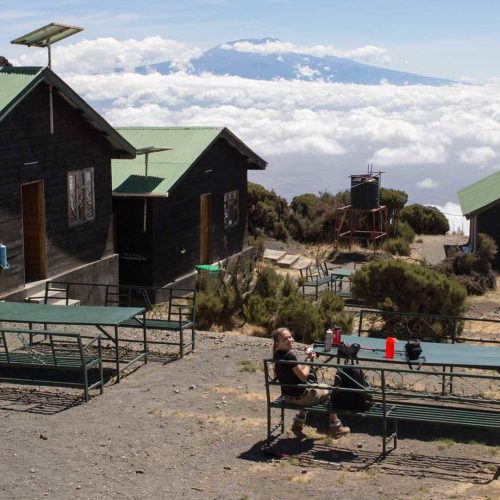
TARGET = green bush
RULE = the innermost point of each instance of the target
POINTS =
(331, 310)
(397, 246)
(267, 212)
(405, 287)
(268, 282)
(289, 287)
(259, 310)
(209, 309)
(404, 230)
(300, 316)
(425, 220)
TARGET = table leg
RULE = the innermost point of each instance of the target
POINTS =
(117, 355)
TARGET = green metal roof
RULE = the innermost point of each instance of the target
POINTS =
(13, 83)
(480, 195)
(167, 167)
(17, 82)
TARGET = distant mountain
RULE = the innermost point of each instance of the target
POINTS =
(225, 60)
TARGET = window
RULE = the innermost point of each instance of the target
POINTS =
(81, 203)
(231, 209)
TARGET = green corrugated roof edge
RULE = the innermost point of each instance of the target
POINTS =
(13, 83)
(480, 195)
(17, 82)
(187, 143)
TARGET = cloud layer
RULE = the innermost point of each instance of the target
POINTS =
(314, 134)
(368, 54)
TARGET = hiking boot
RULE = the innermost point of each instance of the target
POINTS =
(338, 431)
(298, 425)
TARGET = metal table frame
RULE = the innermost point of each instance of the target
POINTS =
(97, 316)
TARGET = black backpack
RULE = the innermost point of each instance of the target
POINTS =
(351, 378)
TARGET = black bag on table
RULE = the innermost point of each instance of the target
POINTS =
(413, 350)
(351, 378)
(348, 351)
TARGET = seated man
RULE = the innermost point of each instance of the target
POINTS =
(294, 373)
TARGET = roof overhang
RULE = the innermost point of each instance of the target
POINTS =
(121, 149)
(254, 161)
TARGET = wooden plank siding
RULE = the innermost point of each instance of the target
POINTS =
(29, 153)
(171, 246)
(489, 222)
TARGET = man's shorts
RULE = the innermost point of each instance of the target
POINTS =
(311, 396)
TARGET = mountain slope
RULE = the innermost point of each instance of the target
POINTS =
(226, 60)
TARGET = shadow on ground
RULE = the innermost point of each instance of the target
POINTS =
(310, 453)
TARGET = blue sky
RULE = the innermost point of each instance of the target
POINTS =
(429, 141)
(452, 39)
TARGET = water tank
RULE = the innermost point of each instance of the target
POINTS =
(364, 191)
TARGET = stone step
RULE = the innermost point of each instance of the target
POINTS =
(54, 300)
(287, 260)
(273, 255)
(302, 263)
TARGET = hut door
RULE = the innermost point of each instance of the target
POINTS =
(35, 261)
(205, 228)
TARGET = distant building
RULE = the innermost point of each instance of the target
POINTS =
(55, 195)
(480, 203)
(190, 208)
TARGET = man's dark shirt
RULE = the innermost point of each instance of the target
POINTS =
(285, 373)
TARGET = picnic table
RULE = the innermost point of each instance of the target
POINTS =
(433, 353)
(97, 316)
(339, 277)
(421, 401)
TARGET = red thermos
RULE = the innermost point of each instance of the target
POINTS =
(337, 335)
(390, 347)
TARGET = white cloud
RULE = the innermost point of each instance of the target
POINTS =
(427, 183)
(305, 71)
(458, 223)
(105, 55)
(477, 156)
(368, 54)
(411, 132)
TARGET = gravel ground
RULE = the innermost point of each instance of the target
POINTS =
(194, 427)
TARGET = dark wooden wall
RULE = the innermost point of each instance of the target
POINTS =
(489, 222)
(25, 137)
(175, 237)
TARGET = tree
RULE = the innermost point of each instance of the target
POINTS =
(425, 220)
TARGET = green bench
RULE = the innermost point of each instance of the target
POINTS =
(392, 405)
(56, 351)
(167, 309)
(315, 276)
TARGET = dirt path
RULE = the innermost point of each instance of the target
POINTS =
(193, 428)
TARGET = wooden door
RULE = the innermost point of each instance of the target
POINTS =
(35, 259)
(206, 228)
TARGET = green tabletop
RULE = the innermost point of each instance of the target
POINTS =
(25, 312)
(460, 355)
(341, 272)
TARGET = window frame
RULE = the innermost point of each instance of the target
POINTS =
(79, 184)
(231, 204)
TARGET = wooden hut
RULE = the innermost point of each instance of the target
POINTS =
(55, 196)
(480, 203)
(188, 206)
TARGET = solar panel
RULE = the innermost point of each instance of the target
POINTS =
(47, 35)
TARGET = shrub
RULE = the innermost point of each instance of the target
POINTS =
(425, 220)
(259, 310)
(397, 246)
(268, 282)
(208, 310)
(405, 231)
(267, 212)
(408, 288)
(288, 287)
(331, 309)
(300, 316)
